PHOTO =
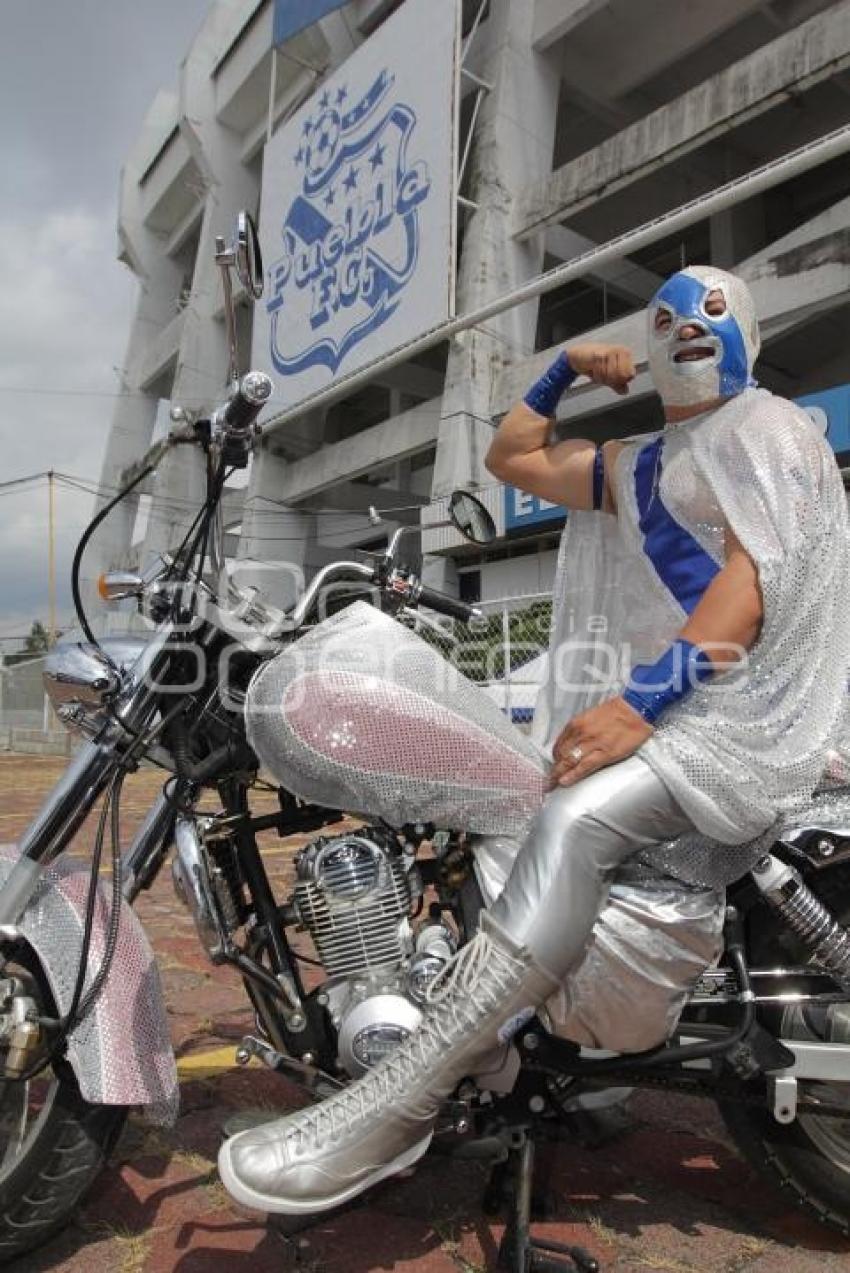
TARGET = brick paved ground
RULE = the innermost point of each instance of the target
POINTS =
(671, 1195)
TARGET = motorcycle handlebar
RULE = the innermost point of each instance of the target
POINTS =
(444, 604)
(248, 399)
(422, 595)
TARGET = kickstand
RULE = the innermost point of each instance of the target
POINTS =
(519, 1252)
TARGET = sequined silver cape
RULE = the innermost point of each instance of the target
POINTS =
(750, 747)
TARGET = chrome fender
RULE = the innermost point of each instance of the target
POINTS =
(121, 1053)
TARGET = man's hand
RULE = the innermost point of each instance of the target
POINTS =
(611, 365)
(595, 738)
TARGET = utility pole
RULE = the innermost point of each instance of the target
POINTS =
(51, 562)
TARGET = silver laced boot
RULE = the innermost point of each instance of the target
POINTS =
(322, 1156)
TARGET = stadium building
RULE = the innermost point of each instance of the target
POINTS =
(563, 125)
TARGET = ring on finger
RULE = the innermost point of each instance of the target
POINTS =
(576, 754)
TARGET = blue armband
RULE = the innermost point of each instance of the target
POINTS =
(598, 481)
(545, 394)
(653, 687)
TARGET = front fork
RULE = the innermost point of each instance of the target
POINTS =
(60, 818)
(55, 825)
(83, 782)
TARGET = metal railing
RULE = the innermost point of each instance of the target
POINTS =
(504, 652)
(27, 721)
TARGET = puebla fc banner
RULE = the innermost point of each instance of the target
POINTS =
(358, 207)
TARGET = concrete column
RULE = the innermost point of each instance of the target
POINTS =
(272, 532)
(277, 548)
(440, 571)
(134, 415)
(202, 361)
(513, 146)
(737, 233)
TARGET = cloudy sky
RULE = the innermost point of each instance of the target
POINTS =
(76, 78)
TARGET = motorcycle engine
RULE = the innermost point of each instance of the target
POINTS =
(356, 894)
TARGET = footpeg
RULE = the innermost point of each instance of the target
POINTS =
(314, 1081)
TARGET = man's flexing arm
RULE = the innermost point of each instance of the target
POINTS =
(563, 472)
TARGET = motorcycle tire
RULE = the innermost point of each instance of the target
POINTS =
(44, 1187)
(809, 1158)
(61, 1155)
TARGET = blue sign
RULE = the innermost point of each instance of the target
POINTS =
(829, 408)
(292, 16)
(522, 509)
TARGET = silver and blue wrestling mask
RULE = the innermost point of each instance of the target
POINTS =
(703, 336)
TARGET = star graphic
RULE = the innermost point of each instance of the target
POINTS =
(351, 180)
(377, 157)
(324, 100)
(299, 155)
(325, 141)
(329, 197)
(341, 95)
(307, 125)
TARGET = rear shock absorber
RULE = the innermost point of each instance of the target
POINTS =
(827, 941)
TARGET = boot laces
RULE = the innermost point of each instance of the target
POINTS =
(472, 983)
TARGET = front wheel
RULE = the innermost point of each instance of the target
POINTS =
(52, 1146)
(810, 1157)
(53, 1143)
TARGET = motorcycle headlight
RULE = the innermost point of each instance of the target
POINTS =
(79, 679)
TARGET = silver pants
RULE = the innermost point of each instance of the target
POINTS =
(560, 878)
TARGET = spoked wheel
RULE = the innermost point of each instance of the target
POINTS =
(830, 1136)
(52, 1146)
(811, 1156)
(24, 1107)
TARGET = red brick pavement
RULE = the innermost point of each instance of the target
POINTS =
(671, 1195)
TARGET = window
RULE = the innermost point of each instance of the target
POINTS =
(469, 586)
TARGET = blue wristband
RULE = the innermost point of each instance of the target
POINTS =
(545, 394)
(653, 687)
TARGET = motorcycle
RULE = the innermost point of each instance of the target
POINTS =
(764, 1031)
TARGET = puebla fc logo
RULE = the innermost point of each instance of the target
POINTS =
(351, 234)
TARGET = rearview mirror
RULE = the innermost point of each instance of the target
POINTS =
(469, 516)
(247, 257)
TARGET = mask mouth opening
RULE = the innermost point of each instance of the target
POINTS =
(693, 353)
(690, 355)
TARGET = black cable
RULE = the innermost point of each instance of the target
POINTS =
(115, 908)
(81, 548)
(69, 1020)
(200, 525)
(80, 1006)
(91, 902)
(173, 796)
(196, 520)
(207, 524)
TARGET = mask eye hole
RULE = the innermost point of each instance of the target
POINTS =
(663, 321)
(715, 303)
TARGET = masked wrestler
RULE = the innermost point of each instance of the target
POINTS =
(711, 681)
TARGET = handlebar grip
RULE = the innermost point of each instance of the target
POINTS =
(251, 395)
(445, 604)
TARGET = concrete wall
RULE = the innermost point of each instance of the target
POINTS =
(597, 115)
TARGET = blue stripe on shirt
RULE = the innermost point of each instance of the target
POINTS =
(679, 560)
